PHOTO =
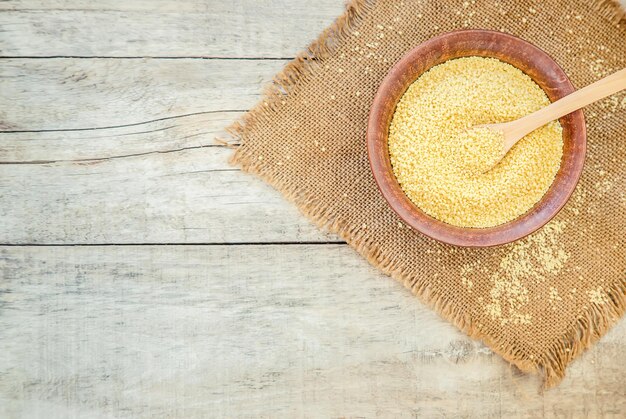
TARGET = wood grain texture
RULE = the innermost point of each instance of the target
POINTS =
(168, 134)
(186, 196)
(255, 331)
(131, 151)
(182, 28)
(70, 93)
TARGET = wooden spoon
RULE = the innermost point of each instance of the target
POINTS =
(514, 131)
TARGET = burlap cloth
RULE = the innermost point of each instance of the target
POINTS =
(538, 302)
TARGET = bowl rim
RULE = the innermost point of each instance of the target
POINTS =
(433, 49)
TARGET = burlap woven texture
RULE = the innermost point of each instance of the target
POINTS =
(538, 302)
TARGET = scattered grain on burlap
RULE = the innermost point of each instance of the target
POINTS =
(538, 302)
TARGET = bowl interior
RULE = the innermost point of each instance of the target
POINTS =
(521, 54)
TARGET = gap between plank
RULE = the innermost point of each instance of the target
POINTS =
(281, 243)
(141, 57)
(99, 159)
(134, 124)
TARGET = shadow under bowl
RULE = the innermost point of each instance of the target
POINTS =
(481, 43)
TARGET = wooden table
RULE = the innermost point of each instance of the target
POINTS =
(141, 275)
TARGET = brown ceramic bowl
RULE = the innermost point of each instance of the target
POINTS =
(528, 58)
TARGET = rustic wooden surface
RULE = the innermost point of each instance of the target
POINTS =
(141, 276)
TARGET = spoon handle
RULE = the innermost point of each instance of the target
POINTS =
(579, 99)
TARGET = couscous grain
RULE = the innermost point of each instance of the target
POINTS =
(479, 149)
(437, 108)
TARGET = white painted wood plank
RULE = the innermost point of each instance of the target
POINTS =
(181, 28)
(255, 331)
(188, 196)
(168, 134)
(61, 94)
(149, 182)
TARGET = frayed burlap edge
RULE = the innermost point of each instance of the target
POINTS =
(586, 329)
